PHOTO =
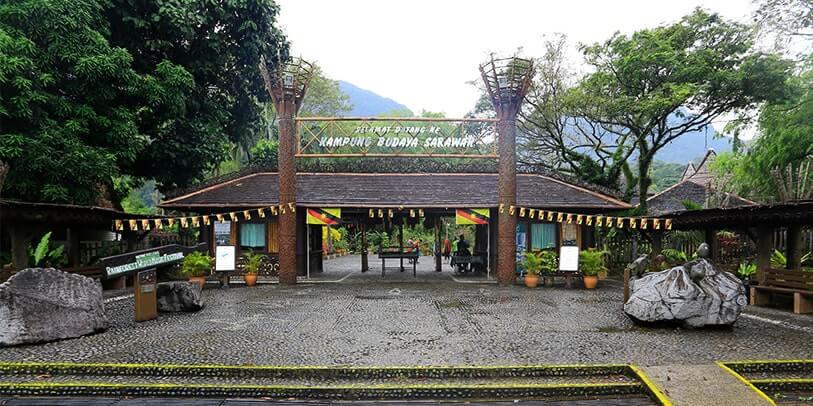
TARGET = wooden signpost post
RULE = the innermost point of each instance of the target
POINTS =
(144, 265)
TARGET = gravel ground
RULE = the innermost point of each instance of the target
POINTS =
(366, 320)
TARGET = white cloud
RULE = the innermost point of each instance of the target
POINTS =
(421, 53)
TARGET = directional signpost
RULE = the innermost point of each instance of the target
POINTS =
(144, 264)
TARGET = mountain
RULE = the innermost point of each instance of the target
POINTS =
(692, 145)
(367, 103)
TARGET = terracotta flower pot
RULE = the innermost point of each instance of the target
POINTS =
(531, 281)
(549, 281)
(590, 282)
(250, 278)
(200, 280)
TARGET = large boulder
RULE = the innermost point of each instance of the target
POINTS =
(46, 304)
(695, 294)
(179, 296)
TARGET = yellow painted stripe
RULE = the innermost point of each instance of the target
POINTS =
(55, 385)
(745, 381)
(653, 389)
(304, 367)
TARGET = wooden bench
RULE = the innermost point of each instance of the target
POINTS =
(799, 284)
(474, 263)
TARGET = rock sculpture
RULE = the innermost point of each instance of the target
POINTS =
(695, 294)
(46, 304)
(179, 296)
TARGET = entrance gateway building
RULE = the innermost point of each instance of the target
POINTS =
(367, 199)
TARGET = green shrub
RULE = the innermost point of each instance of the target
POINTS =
(532, 263)
(196, 264)
(550, 261)
(253, 262)
(746, 270)
(591, 262)
(43, 255)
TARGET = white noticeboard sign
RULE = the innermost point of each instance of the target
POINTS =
(224, 258)
(569, 259)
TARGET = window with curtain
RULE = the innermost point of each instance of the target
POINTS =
(252, 236)
(543, 236)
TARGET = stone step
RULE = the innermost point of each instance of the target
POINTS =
(704, 384)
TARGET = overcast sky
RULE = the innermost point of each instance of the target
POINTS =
(421, 53)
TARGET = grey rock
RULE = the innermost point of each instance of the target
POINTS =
(714, 299)
(46, 304)
(639, 266)
(703, 251)
(179, 296)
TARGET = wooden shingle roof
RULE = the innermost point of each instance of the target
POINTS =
(452, 190)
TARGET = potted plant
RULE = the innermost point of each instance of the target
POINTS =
(531, 266)
(253, 262)
(550, 262)
(196, 266)
(591, 262)
(746, 271)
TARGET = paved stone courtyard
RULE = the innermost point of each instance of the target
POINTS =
(370, 320)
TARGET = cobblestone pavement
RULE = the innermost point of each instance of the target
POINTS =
(626, 401)
(371, 321)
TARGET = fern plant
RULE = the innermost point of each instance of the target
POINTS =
(253, 262)
(532, 263)
(591, 262)
(746, 270)
(196, 264)
(779, 260)
(43, 255)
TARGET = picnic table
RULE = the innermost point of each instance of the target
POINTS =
(467, 259)
(384, 256)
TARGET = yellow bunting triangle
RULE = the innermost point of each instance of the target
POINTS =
(589, 220)
(657, 224)
(599, 221)
(206, 220)
(261, 213)
(668, 224)
(608, 221)
(531, 213)
(292, 207)
(219, 217)
(569, 218)
(195, 221)
(145, 225)
(643, 224)
(579, 219)
(560, 217)
(119, 225)
(633, 222)
(171, 222)
(620, 222)
(380, 213)
(233, 216)
(550, 216)
(412, 213)
(511, 210)
(133, 225)
(502, 208)
(522, 212)
(420, 212)
(184, 222)
(246, 214)
(274, 211)
(372, 213)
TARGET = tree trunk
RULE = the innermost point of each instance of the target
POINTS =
(644, 182)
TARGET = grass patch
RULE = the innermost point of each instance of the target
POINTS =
(451, 304)
(611, 329)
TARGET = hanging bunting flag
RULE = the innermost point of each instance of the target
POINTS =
(281, 209)
(324, 217)
(219, 217)
(550, 216)
(133, 225)
(390, 213)
(511, 210)
(569, 218)
(273, 210)
(372, 213)
(522, 212)
(608, 222)
(261, 213)
(471, 216)
(412, 213)
(531, 213)
(420, 212)
(246, 215)
(619, 222)
(184, 222)
(158, 224)
(145, 225)
(195, 221)
(579, 219)
(292, 207)
(502, 208)
(599, 221)
(657, 224)
(171, 222)
(589, 220)
(632, 222)
(560, 217)
(668, 224)
(643, 224)
(233, 216)
(206, 220)
(380, 213)
(119, 225)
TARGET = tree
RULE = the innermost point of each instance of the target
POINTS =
(219, 44)
(785, 21)
(784, 145)
(556, 134)
(70, 103)
(658, 84)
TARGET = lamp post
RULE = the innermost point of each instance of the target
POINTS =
(286, 85)
(507, 81)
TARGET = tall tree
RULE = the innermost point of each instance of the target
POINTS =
(219, 44)
(70, 103)
(658, 84)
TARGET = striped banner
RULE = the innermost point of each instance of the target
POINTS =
(471, 216)
(324, 217)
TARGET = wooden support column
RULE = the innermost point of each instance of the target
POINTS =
(365, 265)
(74, 254)
(21, 237)
(401, 242)
(793, 247)
(764, 251)
(657, 245)
(711, 240)
(438, 246)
